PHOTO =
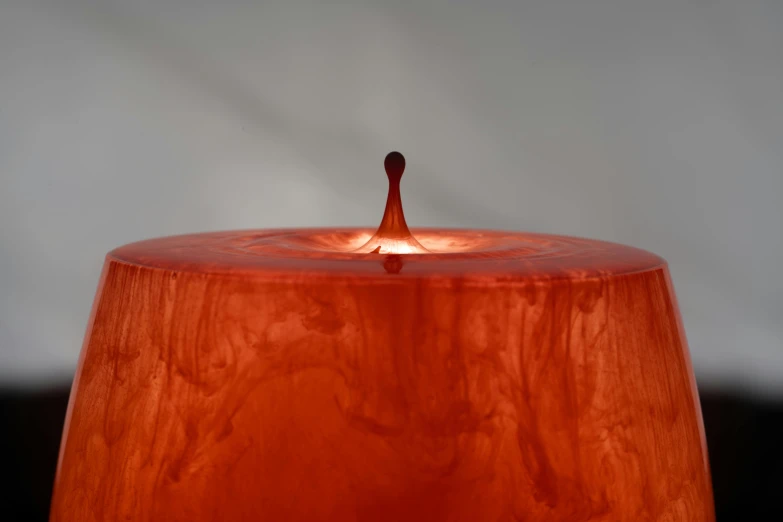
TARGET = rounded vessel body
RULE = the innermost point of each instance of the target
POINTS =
(268, 375)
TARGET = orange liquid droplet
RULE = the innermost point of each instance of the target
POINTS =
(393, 235)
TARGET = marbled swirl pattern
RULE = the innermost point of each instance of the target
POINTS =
(209, 395)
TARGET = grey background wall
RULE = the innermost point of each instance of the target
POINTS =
(658, 124)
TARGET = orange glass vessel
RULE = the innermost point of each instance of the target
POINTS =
(358, 375)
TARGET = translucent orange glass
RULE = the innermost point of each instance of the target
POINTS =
(307, 375)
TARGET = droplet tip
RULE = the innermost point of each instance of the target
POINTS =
(394, 165)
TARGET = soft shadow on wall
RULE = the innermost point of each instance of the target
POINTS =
(743, 435)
